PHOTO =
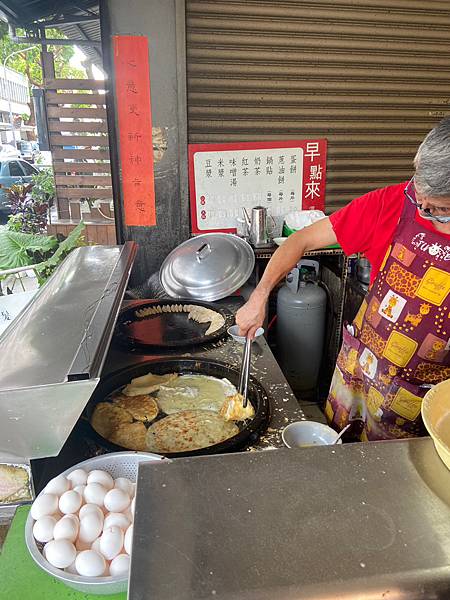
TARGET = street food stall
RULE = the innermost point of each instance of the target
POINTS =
(234, 516)
(147, 451)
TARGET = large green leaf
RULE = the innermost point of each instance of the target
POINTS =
(15, 247)
(73, 240)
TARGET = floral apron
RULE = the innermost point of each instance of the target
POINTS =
(400, 342)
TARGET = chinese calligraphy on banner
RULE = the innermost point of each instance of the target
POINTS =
(132, 76)
(283, 176)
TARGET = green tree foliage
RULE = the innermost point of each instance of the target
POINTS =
(29, 62)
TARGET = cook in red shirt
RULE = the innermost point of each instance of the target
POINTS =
(397, 347)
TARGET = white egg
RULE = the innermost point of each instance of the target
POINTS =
(45, 504)
(116, 520)
(71, 569)
(111, 542)
(90, 527)
(96, 545)
(67, 528)
(90, 564)
(91, 508)
(43, 528)
(128, 539)
(80, 490)
(94, 493)
(124, 484)
(120, 565)
(60, 553)
(77, 477)
(116, 500)
(70, 502)
(57, 486)
(101, 477)
(133, 505)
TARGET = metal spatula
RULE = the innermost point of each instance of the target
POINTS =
(245, 370)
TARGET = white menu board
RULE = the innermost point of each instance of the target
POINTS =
(225, 181)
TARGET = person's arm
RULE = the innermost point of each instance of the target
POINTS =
(319, 235)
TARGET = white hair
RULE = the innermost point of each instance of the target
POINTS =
(432, 162)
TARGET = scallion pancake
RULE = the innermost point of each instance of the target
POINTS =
(189, 430)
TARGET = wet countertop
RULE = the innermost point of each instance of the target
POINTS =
(353, 521)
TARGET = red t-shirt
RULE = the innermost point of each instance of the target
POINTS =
(367, 225)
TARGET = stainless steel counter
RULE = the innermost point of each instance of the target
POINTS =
(361, 521)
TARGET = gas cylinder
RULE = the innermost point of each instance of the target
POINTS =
(301, 316)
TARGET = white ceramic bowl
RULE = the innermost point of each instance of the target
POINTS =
(308, 433)
(117, 464)
(279, 240)
(435, 411)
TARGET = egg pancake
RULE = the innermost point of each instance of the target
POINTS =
(189, 430)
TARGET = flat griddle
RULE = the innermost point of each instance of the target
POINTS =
(167, 330)
(249, 430)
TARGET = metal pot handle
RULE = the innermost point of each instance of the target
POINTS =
(203, 252)
(274, 224)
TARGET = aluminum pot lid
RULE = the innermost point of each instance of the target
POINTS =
(207, 267)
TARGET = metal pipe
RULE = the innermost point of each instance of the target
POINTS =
(55, 42)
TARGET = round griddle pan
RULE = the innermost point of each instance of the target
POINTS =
(246, 437)
(168, 330)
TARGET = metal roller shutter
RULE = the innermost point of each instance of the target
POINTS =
(372, 78)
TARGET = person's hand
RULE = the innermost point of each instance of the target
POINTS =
(251, 316)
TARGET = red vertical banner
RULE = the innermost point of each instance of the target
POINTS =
(132, 77)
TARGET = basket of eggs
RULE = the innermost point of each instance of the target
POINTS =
(80, 527)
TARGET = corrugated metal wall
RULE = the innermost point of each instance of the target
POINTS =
(372, 77)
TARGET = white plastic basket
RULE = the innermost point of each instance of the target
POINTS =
(117, 464)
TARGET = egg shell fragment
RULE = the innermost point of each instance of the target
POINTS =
(45, 504)
(101, 477)
(90, 564)
(60, 553)
(43, 529)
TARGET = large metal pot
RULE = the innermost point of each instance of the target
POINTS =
(247, 436)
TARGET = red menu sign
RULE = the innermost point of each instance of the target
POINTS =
(132, 76)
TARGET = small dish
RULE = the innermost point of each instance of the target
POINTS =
(279, 240)
(234, 329)
(302, 434)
